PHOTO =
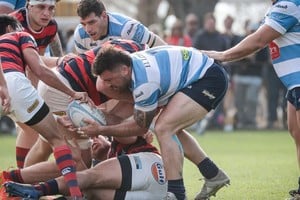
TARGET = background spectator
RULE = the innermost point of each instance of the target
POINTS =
(177, 35)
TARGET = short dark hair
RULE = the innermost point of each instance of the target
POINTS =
(5, 21)
(109, 58)
(86, 7)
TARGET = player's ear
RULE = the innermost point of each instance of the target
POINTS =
(125, 70)
(9, 29)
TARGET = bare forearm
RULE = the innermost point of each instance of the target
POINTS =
(246, 47)
(56, 47)
(125, 129)
(51, 79)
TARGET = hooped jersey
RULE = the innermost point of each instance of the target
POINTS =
(78, 70)
(159, 72)
(11, 48)
(44, 37)
(284, 17)
(119, 26)
(140, 145)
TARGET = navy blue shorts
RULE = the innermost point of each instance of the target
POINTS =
(210, 89)
(293, 96)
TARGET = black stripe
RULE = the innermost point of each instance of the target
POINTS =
(39, 116)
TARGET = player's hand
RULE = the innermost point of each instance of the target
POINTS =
(149, 137)
(92, 128)
(215, 55)
(83, 97)
(5, 100)
(65, 122)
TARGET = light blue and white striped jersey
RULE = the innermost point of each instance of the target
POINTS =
(119, 26)
(284, 17)
(161, 71)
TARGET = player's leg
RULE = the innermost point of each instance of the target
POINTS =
(25, 140)
(106, 174)
(180, 112)
(39, 152)
(293, 117)
(214, 177)
(184, 109)
(29, 108)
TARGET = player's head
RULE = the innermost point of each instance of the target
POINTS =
(112, 67)
(40, 12)
(93, 18)
(8, 24)
(86, 7)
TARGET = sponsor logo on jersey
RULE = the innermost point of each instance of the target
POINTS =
(130, 29)
(33, 106)
(139, 94)
(158, 173)
(274, 50)
(281, 6)
(208, 94)
(185, 54)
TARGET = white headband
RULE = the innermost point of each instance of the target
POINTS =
(48, 2)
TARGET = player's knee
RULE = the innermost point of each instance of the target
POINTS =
(164, 130)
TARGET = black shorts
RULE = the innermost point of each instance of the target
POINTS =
(293, 96)
(210, 89)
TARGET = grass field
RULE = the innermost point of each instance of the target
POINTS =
(261, 164)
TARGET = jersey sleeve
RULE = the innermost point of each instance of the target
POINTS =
(27, 41)
(283, 16)
(80, 39)
(135, 31)
(146, 97)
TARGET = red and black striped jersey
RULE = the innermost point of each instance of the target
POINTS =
(140, 145)
(45, 36)
(77, 70)
(11, 48)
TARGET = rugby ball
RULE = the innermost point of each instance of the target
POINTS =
(77, 111)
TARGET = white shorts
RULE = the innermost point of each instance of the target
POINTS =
(148, 179)
(55, 99)
(25, 100)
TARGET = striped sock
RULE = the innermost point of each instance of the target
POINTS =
(13, 175)
(21, 154)
(65, 163)
(48, 188)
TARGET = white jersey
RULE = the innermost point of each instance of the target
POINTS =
(119, 26)
(161, 71)
(284, 17)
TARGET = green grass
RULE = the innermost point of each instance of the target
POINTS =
(261, 164)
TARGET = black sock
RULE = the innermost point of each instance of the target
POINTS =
(208, 168)
(177, 188)
(48, 188)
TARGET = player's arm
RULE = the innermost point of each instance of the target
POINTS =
(38, 67)
(55, 61)
(55, 46)
(154, 40)
(252, 43)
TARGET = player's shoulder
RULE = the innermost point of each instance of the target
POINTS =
(80, 33)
